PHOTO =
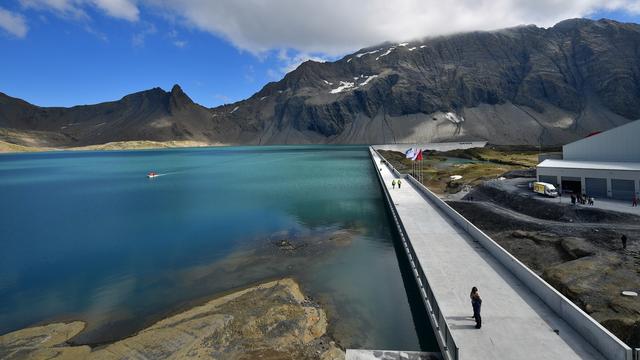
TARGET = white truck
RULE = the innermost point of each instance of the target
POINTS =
(545, 189)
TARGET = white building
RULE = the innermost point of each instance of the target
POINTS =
(602, 165)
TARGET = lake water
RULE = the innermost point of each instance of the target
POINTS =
(85, 235)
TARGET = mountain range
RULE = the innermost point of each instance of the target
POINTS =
(522, 85)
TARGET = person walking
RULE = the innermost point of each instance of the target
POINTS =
(399, 183)
(624, 241)
(476, 303)
(634, 201)
(393, 184)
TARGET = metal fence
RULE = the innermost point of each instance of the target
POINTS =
(450, 350)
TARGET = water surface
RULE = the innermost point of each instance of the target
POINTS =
(85, 235)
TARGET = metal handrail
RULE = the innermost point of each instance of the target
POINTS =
(449, 348)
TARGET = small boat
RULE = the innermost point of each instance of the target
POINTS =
(152, 174)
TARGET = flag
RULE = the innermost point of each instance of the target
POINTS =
(418, 155)
(410, 154)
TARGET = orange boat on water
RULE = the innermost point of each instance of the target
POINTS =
(152, 174)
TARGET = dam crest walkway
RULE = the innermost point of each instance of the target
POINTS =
(516, 324)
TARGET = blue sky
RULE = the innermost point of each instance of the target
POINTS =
(69, 52)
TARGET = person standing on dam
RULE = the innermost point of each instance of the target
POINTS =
(399, 183)
(393, 184)
(476, 303)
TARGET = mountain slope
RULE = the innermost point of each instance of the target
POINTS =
(523, 85)
(148, 115)
(519, 85)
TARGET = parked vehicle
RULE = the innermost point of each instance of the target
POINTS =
(545, 189)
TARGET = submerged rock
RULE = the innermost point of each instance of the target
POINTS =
(268, 321)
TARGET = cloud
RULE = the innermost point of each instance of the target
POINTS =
(13, 23)
(291, 62)
(176, 40)
(137, 40)
(121, 9)
(330, 27)
(338, 26)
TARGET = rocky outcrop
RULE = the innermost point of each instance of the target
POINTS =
(595, 284)
(523, 85)
(268, 321)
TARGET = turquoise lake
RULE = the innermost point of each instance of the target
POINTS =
(87, 236)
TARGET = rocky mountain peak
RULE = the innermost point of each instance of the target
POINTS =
(522, 85)
(178, 99)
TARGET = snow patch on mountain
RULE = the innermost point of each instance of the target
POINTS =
(368, 53)
(352, 85)
(454, 118)
(387, 52)
(368, 79)
(344, 85)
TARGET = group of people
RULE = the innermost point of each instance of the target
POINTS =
(581, 199)
(396, 182)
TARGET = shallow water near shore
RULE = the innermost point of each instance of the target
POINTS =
(85, 235)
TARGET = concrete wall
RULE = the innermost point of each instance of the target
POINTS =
(599, 337)
(617, 144)
(592, 173)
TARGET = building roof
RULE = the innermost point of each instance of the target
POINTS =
(591, 165)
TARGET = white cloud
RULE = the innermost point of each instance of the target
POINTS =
(13, 23)
(176, 40)
(338, 26)
(333, 27)
(291, 62)
(121, 9)
(139, 38)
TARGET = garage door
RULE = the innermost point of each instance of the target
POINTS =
(622, 189)
(571, 184)
(553, 180)
(596, 187)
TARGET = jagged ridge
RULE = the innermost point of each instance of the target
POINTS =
(523, 85)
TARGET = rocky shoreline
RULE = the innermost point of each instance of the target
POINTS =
(268, 321)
